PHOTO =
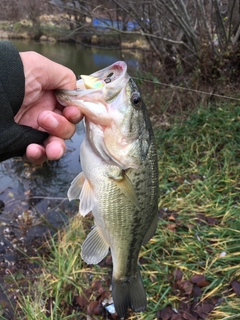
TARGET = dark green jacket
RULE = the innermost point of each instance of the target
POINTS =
(14, 138)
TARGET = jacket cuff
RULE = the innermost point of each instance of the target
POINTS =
(12, 75)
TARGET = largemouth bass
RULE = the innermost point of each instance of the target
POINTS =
(119, 181)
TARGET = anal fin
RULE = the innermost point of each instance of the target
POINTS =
(94, 248)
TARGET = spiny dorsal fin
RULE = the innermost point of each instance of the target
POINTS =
(94, 248)
(127, 188)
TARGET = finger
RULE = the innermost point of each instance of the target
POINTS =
(55, 148)
(49, 74)
(55, 124)
(35, 154)
(73, 114)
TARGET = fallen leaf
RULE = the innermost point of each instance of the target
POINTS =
(83, 299)
(195, 177)
(200, 280)
(188, 316)
(211, 221)
(236, 287)
(172, 218)
(94, 308)
(172, 227)
(177, 316)
(96, 285)
(185, 286)
(197, 278)
(177, 275)
(165, 314)
(203, 309)
(196, 291)
(104, 296)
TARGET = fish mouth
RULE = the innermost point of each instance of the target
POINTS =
(108, 82)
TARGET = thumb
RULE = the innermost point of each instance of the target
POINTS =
(14, 140)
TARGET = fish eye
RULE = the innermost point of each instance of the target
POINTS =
(107, 80)
(136, 99)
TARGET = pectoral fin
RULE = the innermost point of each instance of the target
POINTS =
(81, 189)
(127, 188)
(86, 199)
(94, 248)
(76, 187)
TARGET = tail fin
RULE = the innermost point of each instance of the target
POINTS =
(128, 294)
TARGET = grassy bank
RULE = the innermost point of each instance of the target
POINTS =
(191, 268)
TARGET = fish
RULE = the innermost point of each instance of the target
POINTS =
(119, 178)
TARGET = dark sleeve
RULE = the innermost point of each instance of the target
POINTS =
(14, 138)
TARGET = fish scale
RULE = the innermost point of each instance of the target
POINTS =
(119, 182)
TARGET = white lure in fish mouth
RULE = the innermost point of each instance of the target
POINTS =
(109, 79)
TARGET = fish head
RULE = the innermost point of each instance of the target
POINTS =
(117, 126)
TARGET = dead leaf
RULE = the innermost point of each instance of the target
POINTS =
(200, 280)
(172, 227)
(189, 316)
(83, 299)
(96, 285)
(94, 308)
(197, 278)
(211, 221)
(104, 296)
(236, 287)
(172, 218)
(203, 309)
(195, 177)
(177, 275)
(165, 314)
(177, 316)
(197, 292)
(185, 286)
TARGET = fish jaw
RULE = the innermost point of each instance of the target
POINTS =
(103, 85)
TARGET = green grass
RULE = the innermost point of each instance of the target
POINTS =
(198, 232)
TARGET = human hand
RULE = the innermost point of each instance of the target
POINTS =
(40, 109)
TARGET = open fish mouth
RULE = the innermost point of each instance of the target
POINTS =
(110, 79)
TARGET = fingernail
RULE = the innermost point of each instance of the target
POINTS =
(61, 153)
(49, 121)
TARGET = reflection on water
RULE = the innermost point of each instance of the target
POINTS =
(81, 59)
